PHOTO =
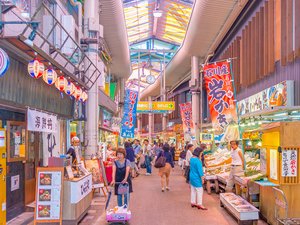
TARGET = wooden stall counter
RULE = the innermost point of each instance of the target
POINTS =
(77, 199)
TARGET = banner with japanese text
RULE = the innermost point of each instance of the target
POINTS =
(289, 163)
(129, 117)
(220, 94)
(41, 121)
(186, 116)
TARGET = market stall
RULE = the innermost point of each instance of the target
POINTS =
(281, 146)
(77, 186)
(272, 160)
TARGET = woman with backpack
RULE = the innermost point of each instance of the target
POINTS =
(164, 172)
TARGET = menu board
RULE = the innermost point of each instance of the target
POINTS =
(273, 164)
(289, 163)
(49, 195)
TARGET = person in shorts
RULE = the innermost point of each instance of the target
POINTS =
(130, 156)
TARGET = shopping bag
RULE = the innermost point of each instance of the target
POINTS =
(123, 189)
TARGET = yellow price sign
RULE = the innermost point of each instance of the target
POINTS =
(168, 106)
(156, 106)
(142, 106)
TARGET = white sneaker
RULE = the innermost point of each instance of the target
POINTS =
(148, 174)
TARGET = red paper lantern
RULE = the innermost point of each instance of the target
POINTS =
(83, 96)
(49, 76)
(77, 93)
(61, 83)
(70, 88)
(35, 68)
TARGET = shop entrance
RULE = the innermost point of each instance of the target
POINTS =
(16, 155)
(32, 162)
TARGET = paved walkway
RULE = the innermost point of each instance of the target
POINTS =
(150, 206)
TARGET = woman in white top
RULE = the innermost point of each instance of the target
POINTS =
(189, 155)
(237, 164)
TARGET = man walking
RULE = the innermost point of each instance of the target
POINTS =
(147, 153)
(137, 152)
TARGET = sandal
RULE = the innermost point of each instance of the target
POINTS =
(194, 205)
(201, 207)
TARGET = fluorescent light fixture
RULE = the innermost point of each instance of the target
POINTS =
(243, 125)
(280, 119)
(281, 114)
(295, 116)
(157, 13)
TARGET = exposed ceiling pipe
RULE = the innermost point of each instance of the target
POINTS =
(115, 34)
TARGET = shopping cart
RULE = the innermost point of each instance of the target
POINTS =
(118, 214)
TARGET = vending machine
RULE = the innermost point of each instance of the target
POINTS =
(2, 176)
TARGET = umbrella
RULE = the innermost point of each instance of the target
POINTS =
(108, 199)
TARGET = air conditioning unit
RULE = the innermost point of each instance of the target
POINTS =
(68, 23)
(96, 27)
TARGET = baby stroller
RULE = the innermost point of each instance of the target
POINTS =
(118, 214)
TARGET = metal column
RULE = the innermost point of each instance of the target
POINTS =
(151, 121)
(91, 12)
(139, 116)
(164, 98)
(195, 89)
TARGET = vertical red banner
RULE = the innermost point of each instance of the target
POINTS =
(186, 116)
(220, 93)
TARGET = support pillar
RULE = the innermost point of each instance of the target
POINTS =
(122, 97)
(139, 125)
(164, 98)
(195, 90)
(151, 121)
(91, 12)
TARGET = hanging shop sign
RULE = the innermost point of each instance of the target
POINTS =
(115, 124)
(186, 116)
(206, 137)
(155, 107)
(4, 62)
(107, 117)
(48, 195)
(220, 92)
(129, 117)
(41, 121)
(281, 94)
(289, 163)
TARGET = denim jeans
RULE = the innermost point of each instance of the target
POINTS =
(120, 199)
(148, 164)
